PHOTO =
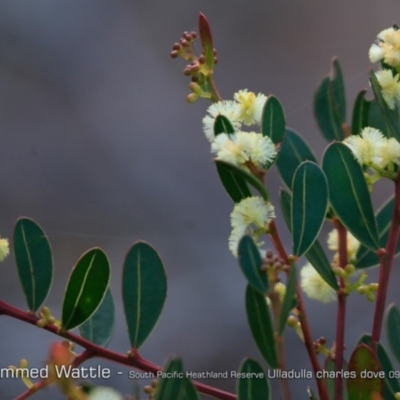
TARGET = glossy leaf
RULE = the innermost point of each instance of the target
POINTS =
(86, 288)
(206, 40)
(34, 261)
(360, 113)
(309, 205)
(315, 255)
(99, 328)
(361, 388)
(392, 385)
(393, 330)
(254, 387)
(391, 117)
(294, 151)
(174, 384)
(144, 289)
(311, 394)
(222, 125)
(273, 120)
(259, 319)
(367, 258)
(289, 301)
(329, 104)
(251, 264)
(235, 185)
(244, 176)
(354, 209)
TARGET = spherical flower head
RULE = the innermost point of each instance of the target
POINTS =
(387, 48)
(240, 147)
(104, 393)
(314, 286)
(251, 106)
(4, 249)
(390, 87)
(391, 152)
(250, 216)
(352, 243)
(228, 109)
(367, 148)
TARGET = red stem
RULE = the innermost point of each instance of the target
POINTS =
(305, 326)
(341, 314)
(134, 360)
(386, 263)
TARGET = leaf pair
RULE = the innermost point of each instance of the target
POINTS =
(87, 299)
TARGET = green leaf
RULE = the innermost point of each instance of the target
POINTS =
(391, 383)
(366, 258)
(253, 383)
(393, 330)
(259, 319)
(330, 382)
(86, 288)
(273, 120)
(363, 361)
(235, 186)
(354, 209)
(294, 151)
(222, 125)
(206, 40)
(34, 261)
(144, 289)
(330, 105)
(360, 113)
(339, 95)
(375, 118)
(239, 173)
(251, 264)
(99, 327)
(315, 255)
(174, 384)
(309, 205)
(289, 301)
(391, 117)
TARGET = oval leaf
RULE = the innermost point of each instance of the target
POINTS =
(393, 330)
(174, 384)
(222, 125)
(349, 195)
(293, 152)
(392, 385)
(363, 361)
(86, 288)
(240, 174)
(235, 186)
(34, 261)
(144, 289)
(259, 318)
(309, 205)
(253, 383)
(273, 120)
(315, 254)
(360, 113)
(289, 301)
(391, 117)
(330, 104)
(99, 327)
(251, 264)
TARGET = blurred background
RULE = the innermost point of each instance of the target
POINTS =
(99, 146)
